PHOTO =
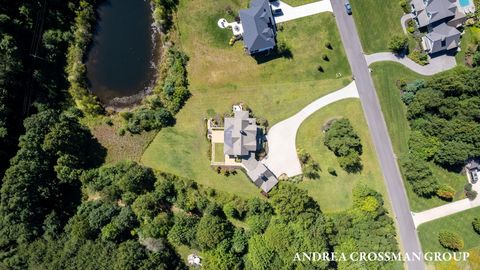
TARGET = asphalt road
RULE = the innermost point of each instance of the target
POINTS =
(378, 130)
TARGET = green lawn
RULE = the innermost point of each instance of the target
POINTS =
(219, 155)
(376, 21)
(469, 38)
(385, 76)
(220, 75)
(334, 193)
(460, 223)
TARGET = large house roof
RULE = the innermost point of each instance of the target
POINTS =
(258, 26)
(434, 11)
(443, 33)
(240, 134)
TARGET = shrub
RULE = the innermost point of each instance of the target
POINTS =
(332, 171)
(446, 192)
(411, 26)
(419, 175)
(342, 139)
(172, 88)
(325, 57)
(398, 43)
(351, 163)
(450, 240)
(230, 210)
(476, 225)
(345, 143)
(121, 131)
(419, 57)
(328, 45)
(109, 122)
(467, 187)
(476, 59)
(471, 195)
(405, 6)
(320, 68)
(149, 119)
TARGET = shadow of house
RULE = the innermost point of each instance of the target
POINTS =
(276, 53)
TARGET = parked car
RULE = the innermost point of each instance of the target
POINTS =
(277, 12)
(348, 8)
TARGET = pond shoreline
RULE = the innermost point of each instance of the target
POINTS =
(108, 81)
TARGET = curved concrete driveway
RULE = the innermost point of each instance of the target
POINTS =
(436, 65)
(282, 151)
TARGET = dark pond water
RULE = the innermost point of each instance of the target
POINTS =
(119, 63)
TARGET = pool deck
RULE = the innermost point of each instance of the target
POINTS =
(470, 8)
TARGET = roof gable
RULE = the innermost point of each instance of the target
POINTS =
(258, 26)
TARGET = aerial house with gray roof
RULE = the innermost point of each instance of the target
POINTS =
(441, 38)
(440, 19)
(430, 13)
(240, 134)
(259, 30)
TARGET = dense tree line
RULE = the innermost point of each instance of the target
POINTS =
(34, 38)
(444, 116)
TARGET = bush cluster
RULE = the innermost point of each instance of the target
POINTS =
(450, 240)
(345, 143)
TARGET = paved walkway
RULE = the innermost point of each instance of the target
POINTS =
(436, 65)
(292, 13)
(447, 209)
(405, 18)
(282, 152)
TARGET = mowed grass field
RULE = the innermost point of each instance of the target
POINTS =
(334, 193)
(221, 75)
(460, 223)
(386, 76)
(377, 21)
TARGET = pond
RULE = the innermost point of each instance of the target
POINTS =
(120, 60)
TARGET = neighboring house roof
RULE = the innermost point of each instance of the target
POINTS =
(433, 11)
(443, 37)
(240, 134)
(258, 26)
(260, 174)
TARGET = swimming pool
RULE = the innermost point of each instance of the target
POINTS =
(464, 3)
